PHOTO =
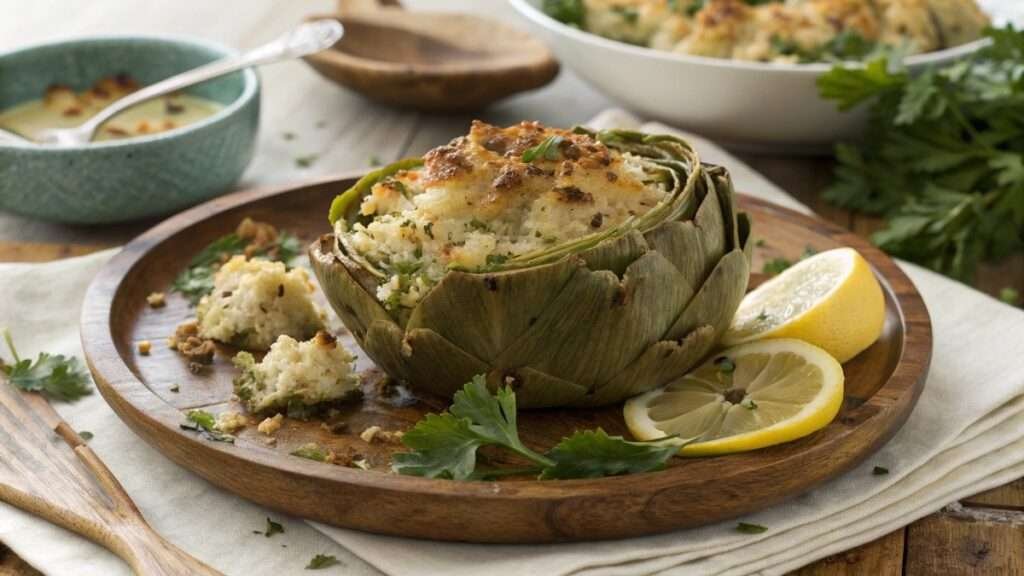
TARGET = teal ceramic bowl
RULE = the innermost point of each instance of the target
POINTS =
(134, 178)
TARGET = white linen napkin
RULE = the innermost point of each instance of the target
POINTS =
(966, 435)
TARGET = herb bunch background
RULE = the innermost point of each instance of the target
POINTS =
(943, 158)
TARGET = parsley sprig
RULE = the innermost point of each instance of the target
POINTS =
(196, 281)
(54, 375)
(943, 158)
(445, 445)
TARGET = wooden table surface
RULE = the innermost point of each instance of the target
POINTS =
(982, 534)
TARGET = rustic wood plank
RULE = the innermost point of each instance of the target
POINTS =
(966, 541)
(1009, 496)
(882, 557)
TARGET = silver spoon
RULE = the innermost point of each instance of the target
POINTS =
(306, 39)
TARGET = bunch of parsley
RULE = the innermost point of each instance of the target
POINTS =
(445, 445)
(58, 377)
(943, 157)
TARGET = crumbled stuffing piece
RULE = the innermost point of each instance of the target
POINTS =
(230, 422)
(270, 425)
(186, 340)
(295, 374)
(375, 433)
(156, 300)
(144, 347)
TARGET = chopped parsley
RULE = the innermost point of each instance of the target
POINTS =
(725, 364)
(776, 266)
(85, 435)
(272, 528)
(748, 528)
(321, 561)
(306, 161)
(54, 375)
(571, 12)
(311, 451)
(1010, 296)
(879, 471)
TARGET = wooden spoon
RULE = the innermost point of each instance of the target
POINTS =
(47, 470)
(431, 61)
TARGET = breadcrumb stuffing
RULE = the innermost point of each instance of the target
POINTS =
(156, 300)
(377, 434)
(186, 340)
(230, 422)
(270, 425)
(144, 347)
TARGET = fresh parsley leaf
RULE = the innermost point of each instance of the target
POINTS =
(311, 451)
(776, 266)
(593, 454)
(1010, 296)
(747, 528)
(85, 435)
(54, 375)
(273, 528)
(851, 86)
(879, 471)
(445, 445)
(546, 150)
(571, 12)
(321, 561)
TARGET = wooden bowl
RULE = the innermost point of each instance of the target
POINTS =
(883, 384)
(433, 61)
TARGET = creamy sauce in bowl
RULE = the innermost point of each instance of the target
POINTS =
(62, 107)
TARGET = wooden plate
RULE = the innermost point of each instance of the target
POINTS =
(883, 384)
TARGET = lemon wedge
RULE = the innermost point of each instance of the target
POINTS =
(831, 300)
(744, 398)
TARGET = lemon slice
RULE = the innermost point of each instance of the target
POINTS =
(748, 397)
(831, 300)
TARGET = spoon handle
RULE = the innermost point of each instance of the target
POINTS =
(305, 39)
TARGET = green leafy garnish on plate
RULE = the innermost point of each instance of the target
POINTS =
(322, 561)
(445, 445)
(54, 375)
(748, 528)
(273, 528)
(943, 156)
(546, 150)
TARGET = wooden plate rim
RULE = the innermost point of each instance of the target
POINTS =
(142, 408)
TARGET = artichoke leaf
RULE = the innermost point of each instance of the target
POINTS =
(536, 389)
(483, 313)
(616, 255)
(658, 365)
(718, 298)
(357, 307)
(384, 343)
(623, 317)
(434, 359)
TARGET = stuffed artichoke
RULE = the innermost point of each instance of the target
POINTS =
(579, 267)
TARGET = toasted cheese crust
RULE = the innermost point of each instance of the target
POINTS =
(491, 195)
(785, 31)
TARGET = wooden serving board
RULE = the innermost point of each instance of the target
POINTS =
(883, 385)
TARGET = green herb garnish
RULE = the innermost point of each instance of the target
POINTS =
(943, 157)
(306, 161)
(85, 435)
(725, 365)
(445, 445)
(747, 528)
(322, 561)
(776, 266)
(54, 375)
(273, 528)
(547, 150)
(879, 471)
(571, 12)
(1010, 296)
(311, 451)
(374, 161)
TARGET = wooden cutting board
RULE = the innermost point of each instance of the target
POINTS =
(883, 384)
